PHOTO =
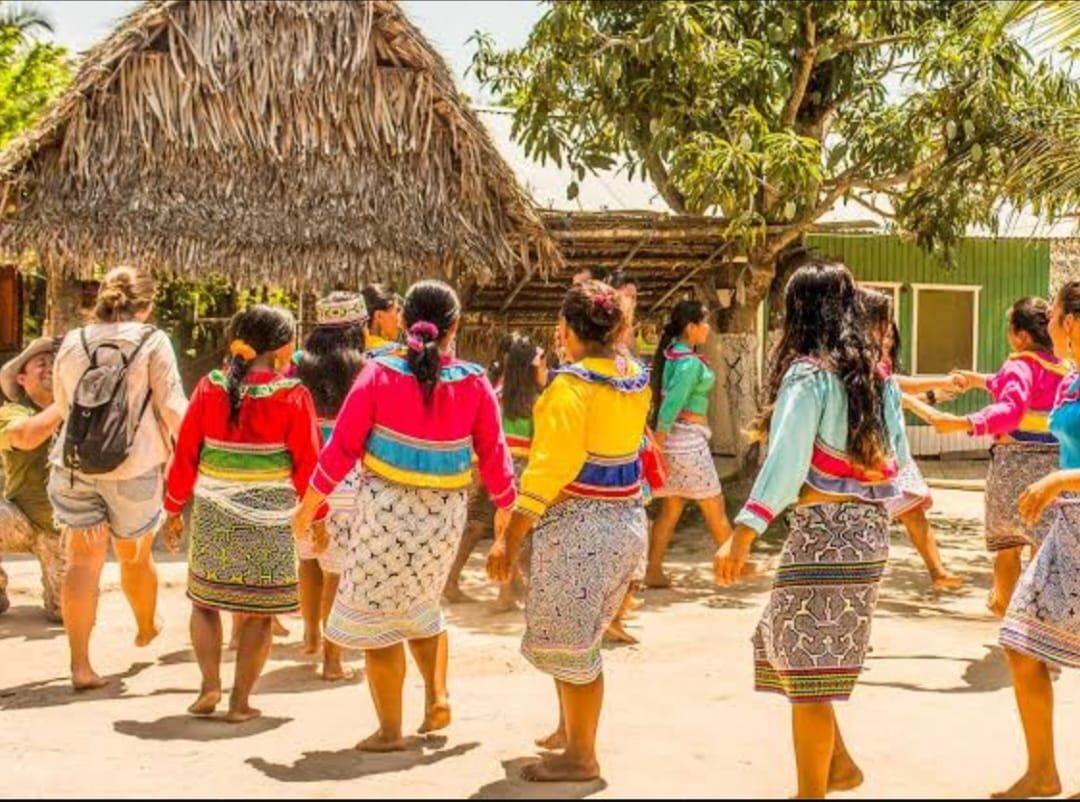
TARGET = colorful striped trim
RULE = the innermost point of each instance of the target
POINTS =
(1029, 635)
(837, 464)
(866, 573)
(245, 461)
(1046, 361)
(454, 372)
(421, 443)
(364, 629)
(265, 599)
(519, 446)
(530, 504)
(807, 684)
(624, 384)
(1069, 391)
(578, 666)
(401, 476)
(680, 350)
(508, 494)
(760, 510)
(261, 390)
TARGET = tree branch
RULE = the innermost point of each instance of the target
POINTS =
(803, 70)
(917, 171)
(873, 207)
(863, 44)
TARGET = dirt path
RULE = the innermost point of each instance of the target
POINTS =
(933, 715)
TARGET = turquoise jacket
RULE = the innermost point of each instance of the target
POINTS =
(687, 383)
(808, 446)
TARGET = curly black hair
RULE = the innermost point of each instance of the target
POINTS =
(329, 362)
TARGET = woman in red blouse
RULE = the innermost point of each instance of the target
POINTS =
(246, 448)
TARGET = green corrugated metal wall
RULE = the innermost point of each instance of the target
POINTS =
(1006, 270)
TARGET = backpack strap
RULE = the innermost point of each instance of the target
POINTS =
(147, 332)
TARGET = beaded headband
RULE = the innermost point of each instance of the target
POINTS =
(340, 309)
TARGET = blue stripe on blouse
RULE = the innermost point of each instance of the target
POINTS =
(439, 459)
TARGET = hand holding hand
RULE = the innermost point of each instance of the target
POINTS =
(320, 536)
(728, 568)
(172, 532)
(500, 563)
(1037, 497)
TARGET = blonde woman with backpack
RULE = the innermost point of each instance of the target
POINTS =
(118, 389)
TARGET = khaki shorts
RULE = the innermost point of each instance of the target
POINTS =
(131, 507)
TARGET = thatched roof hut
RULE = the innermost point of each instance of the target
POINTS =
(288, 143)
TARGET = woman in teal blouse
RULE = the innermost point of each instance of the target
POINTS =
(682, 384)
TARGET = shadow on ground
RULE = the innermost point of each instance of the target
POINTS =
(987, 674)
(57, 692)
(351, 764)
(513, 787)
(28, 621)
(197, 728)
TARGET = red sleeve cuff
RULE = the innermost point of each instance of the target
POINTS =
(173, 505)
(322, 481)
(506, 498)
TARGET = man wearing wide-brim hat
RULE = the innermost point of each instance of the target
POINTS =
(28, 421)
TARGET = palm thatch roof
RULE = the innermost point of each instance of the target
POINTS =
(283, 142)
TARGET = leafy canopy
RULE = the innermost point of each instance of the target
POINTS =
(767, 113)
(31, 71)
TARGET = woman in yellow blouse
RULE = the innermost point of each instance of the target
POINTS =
(582, 492)
(384, 325)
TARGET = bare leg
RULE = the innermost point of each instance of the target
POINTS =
(50, 553)
(663, 529)
(333, 669)
(86, 550)
(1006, 575)
(1035, 698)
(311, 585)
(234, 634)
(432, 656)
(278, 629)
(615, 631)
(474, 533)
(139, 579)
(922, 538)
(386, 675)
(844, 773)
(557, 739)
(814, 731)
(253, 648)
(581, 707)
(5, 602)
(206, 639)
(712, 510)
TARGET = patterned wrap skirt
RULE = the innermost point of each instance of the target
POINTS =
(1043, 620)
(813, 637)
(343, 509)
(914, 492)
(401, 547)
(242, 557)
(585, 553)
(691, 469)
(1014, 466)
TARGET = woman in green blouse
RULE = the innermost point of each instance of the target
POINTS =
(682, 384)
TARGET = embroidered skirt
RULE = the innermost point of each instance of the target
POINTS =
(584, 555)
(401, 547)
(690, 466)
(338, 524)
(813, 636)
(1043, 620)
(1014, 466)
(914, 492)
(242, 557)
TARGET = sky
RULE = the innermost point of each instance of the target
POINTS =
(447, 24)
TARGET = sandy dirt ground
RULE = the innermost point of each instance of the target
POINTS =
(932, 716)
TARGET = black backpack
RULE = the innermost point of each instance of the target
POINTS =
(99, 429)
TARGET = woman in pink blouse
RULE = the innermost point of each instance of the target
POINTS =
(1024, 450)
(413, 422)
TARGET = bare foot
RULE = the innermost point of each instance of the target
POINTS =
(996, 606)
(87, 680)
(635, 603)
(146, 638)
(659, 580)
(334, 671)
(452, 594)
(206, 704)
(436, 717)
(279, 630)
(948, 581)
(506, 604)
(380, 742)
(555, 741)
(844, 776)
(560, 768)
(242, 714)
(1032, 785)
(307, 648)
(616, 633)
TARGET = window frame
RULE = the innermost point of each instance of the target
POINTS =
(890, 288)
(972, 289)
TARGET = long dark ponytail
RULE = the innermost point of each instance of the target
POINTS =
(683, 314)
(1033, 316)
(254, 331)
(431, 309)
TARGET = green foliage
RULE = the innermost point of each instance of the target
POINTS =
(767, 113)
(32, 72)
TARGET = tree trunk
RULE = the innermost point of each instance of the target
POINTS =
(63, 302)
